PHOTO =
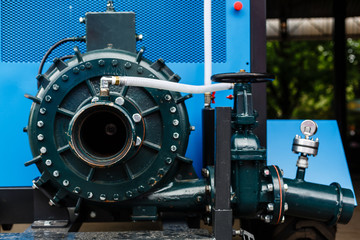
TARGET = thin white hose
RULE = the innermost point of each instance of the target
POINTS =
(207, 43)
(165, 85)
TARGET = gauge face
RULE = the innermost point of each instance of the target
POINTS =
(106, 149)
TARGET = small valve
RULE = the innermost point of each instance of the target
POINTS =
(306, 146)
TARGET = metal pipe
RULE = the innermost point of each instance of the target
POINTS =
(329, 204)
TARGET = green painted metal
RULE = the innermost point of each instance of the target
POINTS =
(62, 128)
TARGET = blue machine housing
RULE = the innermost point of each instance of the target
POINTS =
(173, 32)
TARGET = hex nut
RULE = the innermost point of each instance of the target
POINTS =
(136, 117)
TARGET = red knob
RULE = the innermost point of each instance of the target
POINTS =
(238, 5)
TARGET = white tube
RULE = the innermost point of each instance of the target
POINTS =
(165, 85)
(207, 43)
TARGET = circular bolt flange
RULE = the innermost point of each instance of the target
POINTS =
(42, 111)
(56, 173)
(167, 97)
(173, 109)
(136, 117)
(120, 101)
(40, 124)
(175, 122)
(89, 194)
(48, 162)
(43, 150)
(176, 135)
(66, 183)
(40, 137)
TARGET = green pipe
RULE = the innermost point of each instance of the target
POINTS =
(329, 204)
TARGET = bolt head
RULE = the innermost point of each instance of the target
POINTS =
(173, 148)
(175, 122)
(93, 214)
(77, 190)
(167, 97)
(208, 208)
(270, 207)
(286, 206)
(94, 99)
(138, 141)
(102, 197)
(89, 194)
(66, 183)
(266, 172)
(101, 62)
(40, 124)
(286, 187)
(40, 137)
(198, 199)
(136, 117)
(115, 62)
(48, 162)
(116, 197)
(176, 135)
(55, 87)
(65, 78)
(43, 150)
(129, 194)
(168, 161)
(270, 187)
(267, 218)
(192, 128)
(173, 109)
(205, 173)
(42, 111)
(120, 101)
(283, 219)
(208, 189)
(47, 98)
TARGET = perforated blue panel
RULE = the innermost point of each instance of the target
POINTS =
(172, 30)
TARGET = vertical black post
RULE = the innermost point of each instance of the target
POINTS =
(340, 66)
(208, 135)
(258, 61)
(222, 214)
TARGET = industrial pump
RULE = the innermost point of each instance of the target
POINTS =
(108, 129)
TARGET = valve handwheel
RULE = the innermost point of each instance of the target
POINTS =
(242, 77)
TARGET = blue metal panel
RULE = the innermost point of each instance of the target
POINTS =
(24, 39)
(327, 167)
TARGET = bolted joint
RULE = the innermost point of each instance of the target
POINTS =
(205, 173)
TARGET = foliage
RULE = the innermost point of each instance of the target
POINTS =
(303, 87)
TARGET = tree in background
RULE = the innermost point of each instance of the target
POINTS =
(303, 86)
